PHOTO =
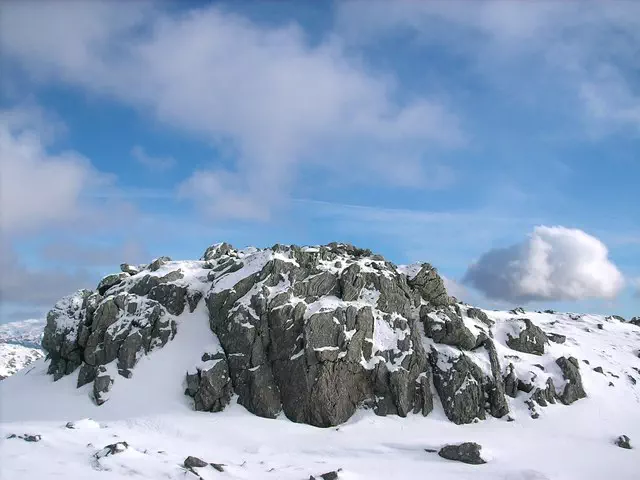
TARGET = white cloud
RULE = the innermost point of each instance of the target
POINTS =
(151, 162)
(553, 263)
(583, 50)
(38, 188)
(277, 99)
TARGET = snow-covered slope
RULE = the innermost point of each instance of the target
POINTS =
(19, 345)
(150, 411)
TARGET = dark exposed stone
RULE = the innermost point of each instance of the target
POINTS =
(556, 337)
(468, 452)
(623, 441)
(448, 328)
(158, 262)
(573, 390)
(599, 370)
(531, 339)
(194, 462)
(111, 281)
(460, 388)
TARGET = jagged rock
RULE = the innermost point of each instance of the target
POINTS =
(517, 311)
(498, 405)
(101, 386)
(217, 251)
(573, 390)
(194, 462)
(599, 370)
(430, 286)
(460, 386)
(467, 452)
(130, 269)
(531, 339)
(210, 385)
(511, 382)
(556, 337)
(635, 321)
(624, 441)
(60, 338)
(171, 296)
(193, 298)
(111, 449)
(111, 281)
(447, 327)
(479, 315)
(158, 262)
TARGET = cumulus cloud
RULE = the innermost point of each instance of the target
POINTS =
(553, 263)
(270, 95)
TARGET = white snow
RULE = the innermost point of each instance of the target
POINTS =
(151, 413)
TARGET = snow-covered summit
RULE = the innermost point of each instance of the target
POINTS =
(323, 336)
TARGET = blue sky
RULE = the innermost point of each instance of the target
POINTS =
(440, 132)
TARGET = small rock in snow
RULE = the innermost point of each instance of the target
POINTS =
(624, 441)
(467, 452)
(194, 462)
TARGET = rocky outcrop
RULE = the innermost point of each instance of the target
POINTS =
(573, 389)
(311, 332)
(529, 339)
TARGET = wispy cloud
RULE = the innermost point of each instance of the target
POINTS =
(279, 100)
(153, 163)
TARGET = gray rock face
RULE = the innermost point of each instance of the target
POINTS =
(530, 340)
(88, 331)
(635, 321)
(210, 385)
(430, 286)
(446, 326)
(573, 390)
(460, 385)
(318, 367)
(101, 386)
(468, 452)
(312, 332)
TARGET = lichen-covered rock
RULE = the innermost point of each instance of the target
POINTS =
(573, 389)
(529, 339)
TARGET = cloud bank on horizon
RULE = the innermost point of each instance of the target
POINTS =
(423, 130)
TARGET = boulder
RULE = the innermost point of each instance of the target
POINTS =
(111, 281)
(531, 339)
(460, 386)
(111, 449)
(467, 452)
(194, 462)
(556, 337)
(130, 269)
(573, 389)
(445, 326)
(210, 385)
(158, 262)
(623, 441)
(430, 286)
(101, 386)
